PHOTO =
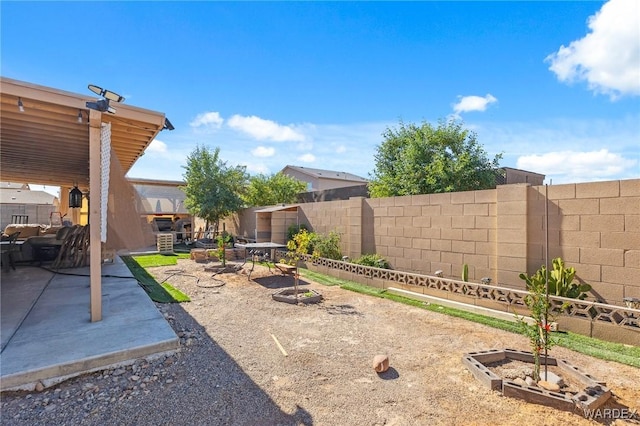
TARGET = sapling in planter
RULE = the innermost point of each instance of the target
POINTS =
(296, 248)
(557, 282)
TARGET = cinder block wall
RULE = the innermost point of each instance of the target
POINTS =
(499, 233)
(426, 233)
(594, 227)
(329, 216)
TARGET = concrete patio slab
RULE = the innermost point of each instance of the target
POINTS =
(47, 335)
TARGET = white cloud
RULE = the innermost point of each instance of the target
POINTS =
(576, 166)
(263, 151)
(255, 168)
(262, 129)
(473, 103)
(341, 149)
(608, 57)
(156, 147)
(307, 158)
(207, 119)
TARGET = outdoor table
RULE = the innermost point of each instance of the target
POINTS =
(259, 246)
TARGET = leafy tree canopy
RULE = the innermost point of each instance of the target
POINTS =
(213, 189)
(426, 159)
(273, 189)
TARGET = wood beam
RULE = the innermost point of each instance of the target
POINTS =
(95, 255)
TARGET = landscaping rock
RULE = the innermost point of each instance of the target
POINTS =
(520, 382)
(381, 363)
(552, 378)
(548, 386)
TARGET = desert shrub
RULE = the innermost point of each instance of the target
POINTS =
(327, 246)
(372, 260)
(293, 229)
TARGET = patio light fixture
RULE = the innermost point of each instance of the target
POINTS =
(20, 105)
(107, 94)
(103, 104)
(80, 116)
(75, 198)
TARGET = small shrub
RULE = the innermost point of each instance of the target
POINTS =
(294, 228)
(561, 281)
(374, 260)
(327, 246)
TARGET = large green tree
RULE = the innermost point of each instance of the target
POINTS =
(213, 189)
(426, 159)
(268, 190)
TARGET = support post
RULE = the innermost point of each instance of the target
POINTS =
(95, 255)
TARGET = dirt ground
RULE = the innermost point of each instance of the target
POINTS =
(316, 359)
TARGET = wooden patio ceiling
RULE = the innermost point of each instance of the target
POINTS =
(45, 144)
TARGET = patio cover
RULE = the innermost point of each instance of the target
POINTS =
(47, 144)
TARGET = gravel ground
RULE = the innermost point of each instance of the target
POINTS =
(231, 371)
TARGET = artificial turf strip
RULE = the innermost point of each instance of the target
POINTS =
(609, 351)
(153, 260)
(161, 293)
(324, 279)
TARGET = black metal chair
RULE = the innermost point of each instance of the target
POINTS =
(9, 249)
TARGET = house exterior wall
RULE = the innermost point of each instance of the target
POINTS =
(523, 176)
(38, 213)
(320, 183)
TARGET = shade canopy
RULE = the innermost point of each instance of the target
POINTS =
(48, 142)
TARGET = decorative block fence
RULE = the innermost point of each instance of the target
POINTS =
(607, 322)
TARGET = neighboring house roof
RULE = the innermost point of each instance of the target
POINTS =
(143, 181)
(325, 174)
(13, 185)
(280, 207)
(21, 196)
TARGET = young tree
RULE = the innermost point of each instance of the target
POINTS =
(425, 159)
(213, 189)
(274, 189)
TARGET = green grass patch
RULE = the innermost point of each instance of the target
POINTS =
(609, 351)
(161, 293)
(320, 278)
(153, 260)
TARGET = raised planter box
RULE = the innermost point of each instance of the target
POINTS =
(287, 295)
(594, 393)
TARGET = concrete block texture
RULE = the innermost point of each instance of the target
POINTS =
(621, 240)
(632, 222)
(609, 189)
(630, 188)
(626, 205)
(463, 197)
(578, 207)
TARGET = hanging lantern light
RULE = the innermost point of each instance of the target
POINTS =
(75, 198)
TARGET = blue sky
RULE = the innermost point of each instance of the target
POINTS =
(553, 86)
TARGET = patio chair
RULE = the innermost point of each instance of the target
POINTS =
(8, 251)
